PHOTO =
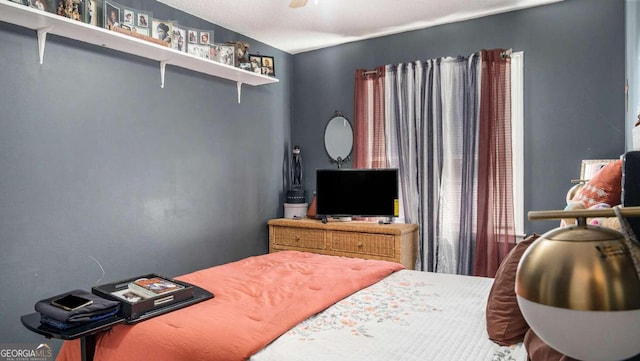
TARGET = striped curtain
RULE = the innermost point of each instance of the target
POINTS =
(435, 136)
(432, 112)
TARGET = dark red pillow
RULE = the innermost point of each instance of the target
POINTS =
(604, 187)
(505, 323)
(538, 350)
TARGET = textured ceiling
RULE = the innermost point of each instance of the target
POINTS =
(323, 23)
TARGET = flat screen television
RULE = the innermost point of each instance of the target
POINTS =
(357, 192)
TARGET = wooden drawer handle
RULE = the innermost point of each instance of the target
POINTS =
(360, 244)
(297, 238)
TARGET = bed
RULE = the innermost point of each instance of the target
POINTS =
(301, 306)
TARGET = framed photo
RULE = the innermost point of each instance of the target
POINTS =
(161, 29)
(91, 12)
(192, 36)
(213, 52)
(201, 51)
(42, 5)
(179, 38)
(256, 63)
(129, 17)
(111, 15)
(241, 51)
(268, 66)
(591, 166)
(226, 54)
(205, 38)
(143, 19)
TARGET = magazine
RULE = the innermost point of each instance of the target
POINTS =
(155, 286)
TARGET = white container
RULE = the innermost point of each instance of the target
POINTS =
(295, 210)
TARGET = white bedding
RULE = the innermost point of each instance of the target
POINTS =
(410, 315)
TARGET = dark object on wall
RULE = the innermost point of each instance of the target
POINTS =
(631, 186)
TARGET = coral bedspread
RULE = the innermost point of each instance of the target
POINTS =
(256, 300)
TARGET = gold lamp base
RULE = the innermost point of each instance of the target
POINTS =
(579, 289)
(581, 267)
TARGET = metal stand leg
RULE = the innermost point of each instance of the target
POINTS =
(87, 347)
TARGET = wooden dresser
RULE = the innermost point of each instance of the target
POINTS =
(396, 242)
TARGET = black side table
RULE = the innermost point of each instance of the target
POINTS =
(86, 332)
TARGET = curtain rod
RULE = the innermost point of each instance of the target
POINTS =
(503, 54)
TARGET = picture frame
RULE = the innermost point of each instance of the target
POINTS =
(128, 17)
(111, 14)
(213, 52)
(201, 51)
(92, 12)
(143, 19)
(161, 29)
(225, 54)
(241, 51)
(204, 38)
(590, 167)
(256, 63)
(42, 5)
(268, 65)
(192, 36)
(179, 38)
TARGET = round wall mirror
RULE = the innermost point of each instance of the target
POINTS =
(338, 138)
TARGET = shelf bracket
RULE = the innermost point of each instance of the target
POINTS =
(42, 39)
(239, 84)
(163, 65)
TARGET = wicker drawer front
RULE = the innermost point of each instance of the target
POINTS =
(299, 237)
(363, 243)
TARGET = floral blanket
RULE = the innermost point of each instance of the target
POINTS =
(409, 315)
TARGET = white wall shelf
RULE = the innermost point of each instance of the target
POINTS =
(47, 23)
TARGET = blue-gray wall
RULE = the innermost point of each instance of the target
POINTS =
(98, 162)
(574, 56)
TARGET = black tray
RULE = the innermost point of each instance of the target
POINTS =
(132, 311)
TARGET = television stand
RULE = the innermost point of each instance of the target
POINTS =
(396, 242)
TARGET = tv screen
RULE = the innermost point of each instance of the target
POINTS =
(357, 192)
